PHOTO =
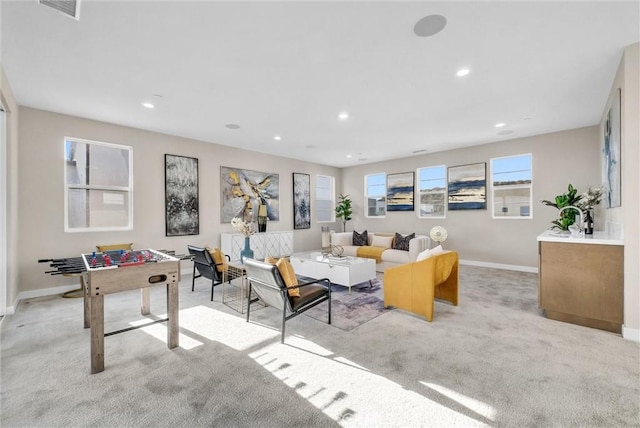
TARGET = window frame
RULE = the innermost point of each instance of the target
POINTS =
(332, 199)
(445, 194)
(383, 195)
(68, 187)
(529, 186)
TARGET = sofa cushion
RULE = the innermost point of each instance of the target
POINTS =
(342, 239)
(395, 256)
(402, 242)
(360, 238)
(381, 241)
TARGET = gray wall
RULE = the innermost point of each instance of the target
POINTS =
(41, 191)
(559, 158)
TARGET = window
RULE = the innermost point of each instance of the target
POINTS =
(511, 187)
(98, 186)
(325, 199)
(376, 194)
(432, 192)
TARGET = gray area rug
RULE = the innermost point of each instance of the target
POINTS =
(494, 360)
(352, 309)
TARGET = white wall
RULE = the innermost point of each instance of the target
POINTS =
(10, 275)
(628, 80)
(41, 190)
(559, 158)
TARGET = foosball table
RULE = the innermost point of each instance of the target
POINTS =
(122, 270)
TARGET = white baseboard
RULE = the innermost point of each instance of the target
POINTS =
(500, 266)
(632, 334)
(39, 293)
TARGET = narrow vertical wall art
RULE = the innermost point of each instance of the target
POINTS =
(301, 201)
(181, 195)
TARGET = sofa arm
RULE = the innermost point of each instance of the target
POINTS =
(418, 245)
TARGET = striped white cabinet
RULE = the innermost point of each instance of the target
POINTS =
(274, 244)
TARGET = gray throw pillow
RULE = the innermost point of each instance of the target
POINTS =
(402, 242)
(360, 239)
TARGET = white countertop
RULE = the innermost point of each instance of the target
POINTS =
(598, 237)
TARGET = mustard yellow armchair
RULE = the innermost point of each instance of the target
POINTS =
(414, 286)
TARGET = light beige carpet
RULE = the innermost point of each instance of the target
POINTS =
(491, 361)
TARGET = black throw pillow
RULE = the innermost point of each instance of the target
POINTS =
(360, 239)
(402, 242)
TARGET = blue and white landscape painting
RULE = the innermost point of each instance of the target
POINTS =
(468, 187)
(400, 192)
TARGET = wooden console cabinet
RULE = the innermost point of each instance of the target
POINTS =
(582, 281)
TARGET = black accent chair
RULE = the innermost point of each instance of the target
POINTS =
(206, 267)
(267, 283)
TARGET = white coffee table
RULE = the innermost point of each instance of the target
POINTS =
(347, 271)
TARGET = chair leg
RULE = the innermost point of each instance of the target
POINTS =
(249, 302)
(329, 317)
(213, 283)
(284, 319)
(193, 277)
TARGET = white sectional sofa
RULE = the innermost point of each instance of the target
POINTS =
(390, 256)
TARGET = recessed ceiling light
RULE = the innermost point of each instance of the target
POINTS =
(277, 138)
(348, 156)
(147, 104)
(343, 115)
(500, 124)
(463, 72)
(232, 126)
(429, 25)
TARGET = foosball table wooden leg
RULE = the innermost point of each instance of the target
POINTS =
(97, 334)
(173, 327)
(87, 306)
(145, 300)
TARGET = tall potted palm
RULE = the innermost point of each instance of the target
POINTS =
(344, 210)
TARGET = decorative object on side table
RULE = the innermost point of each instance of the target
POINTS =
(567, 216)
(337, 250)
(588, 200)
(344, 210)
(438, 234)
(246, 229)
(326, 240)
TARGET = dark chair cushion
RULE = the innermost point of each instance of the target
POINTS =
(308, 294)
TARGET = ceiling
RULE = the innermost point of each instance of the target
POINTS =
(289, 68)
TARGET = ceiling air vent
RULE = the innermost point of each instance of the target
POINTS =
(70, 8)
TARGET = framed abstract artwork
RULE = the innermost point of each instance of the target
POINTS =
(467, 187)
(611, 150)
(400, 191)
(301, 201)
(244, 191)
(181, 195)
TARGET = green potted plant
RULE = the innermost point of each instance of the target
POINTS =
(344, 210)
(567, 217)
